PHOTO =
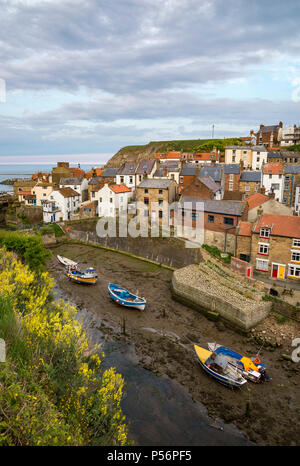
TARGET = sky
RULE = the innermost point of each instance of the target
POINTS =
(81, 79)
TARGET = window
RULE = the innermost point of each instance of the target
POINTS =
(211, 218)
(160, 201)
(181, 179)
(247, 188)
(296, 243)
(264, 233)
(262, 264)
(122, 179)
(296, 256)
(160, 191)
(194, 216)
(146, 191)
(93, 195)
(228, 221)
(160, 214)
(140, 177)
(131, 179)
(100, 200)
(263, 248)
(294, 271)
(233, 158)
(111, 200)
(146, 213)
(230, 187)
(231, 177)
(275, 186)
(146, 200)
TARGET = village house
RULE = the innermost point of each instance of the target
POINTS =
(170, 155)
(232, 174)
(259, 203)
(259, 157)
(202, 188)
(291, 179)
(239, 154)
(60, 204)
(109, 175)
(168, 170)
(209, 158)
(274, 157)
(94, 184)
(272, 180)
(145, 169)
(154, 197)
(41, 191)
(268, 135)
(187, 174)
(250, 182)
(88, 209)
(275, 246)
(42, 177)
(80, 185)
(23, 188)
(126, 175)
(289, 136)
(290, 157)
(220, 220)
(112, 198)
(93, 172)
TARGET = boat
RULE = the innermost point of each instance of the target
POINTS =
(88, 276)
(217, 367)
(123, 297)
(250, 368)
(67, 262)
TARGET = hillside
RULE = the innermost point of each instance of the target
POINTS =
(148, 151)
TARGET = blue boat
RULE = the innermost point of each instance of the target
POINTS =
(123, 297)
(217, 367)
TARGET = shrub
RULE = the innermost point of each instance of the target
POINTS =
(53, 391)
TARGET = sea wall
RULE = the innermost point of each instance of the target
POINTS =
(200, 288)
(167, 251)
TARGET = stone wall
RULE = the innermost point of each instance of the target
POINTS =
(167, 251)
(238, 305)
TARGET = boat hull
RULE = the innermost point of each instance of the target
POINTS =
(66, 262)
(82, 280)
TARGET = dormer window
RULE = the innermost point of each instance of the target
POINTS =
(264, 233)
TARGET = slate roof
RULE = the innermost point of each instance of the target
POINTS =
(292, 169)
(109, 173)
(71, 181)
(210, 183)
(188, 169)
(232, 168)
(268, 129)
(251, 176)
(145, 166)
(155, 183)
(234, 208)
(127, 169)
(274, 155)
(214, 172)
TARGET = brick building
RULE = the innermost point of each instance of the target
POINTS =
(250, 182)
(268, 135)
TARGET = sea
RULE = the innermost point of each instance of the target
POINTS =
(27, 170)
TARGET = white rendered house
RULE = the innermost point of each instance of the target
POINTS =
(63, 202)
(80, 185)
(272, 180)
(111, 198)
(259, 157)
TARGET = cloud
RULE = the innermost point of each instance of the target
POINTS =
(137, 60)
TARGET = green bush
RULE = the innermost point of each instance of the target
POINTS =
(29, 247)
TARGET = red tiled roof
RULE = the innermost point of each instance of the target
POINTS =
(245, 228)
(168, 155)
(256, 199)
(205, 156)
(281, 225)
(97, 171)
(273, 169)
(119, 188)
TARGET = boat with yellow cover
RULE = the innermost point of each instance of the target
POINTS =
(217, 367)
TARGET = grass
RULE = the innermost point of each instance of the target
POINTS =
(52, 228)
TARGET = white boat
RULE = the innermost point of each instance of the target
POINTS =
(67, 262)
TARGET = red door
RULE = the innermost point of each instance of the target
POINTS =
(274, 271)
